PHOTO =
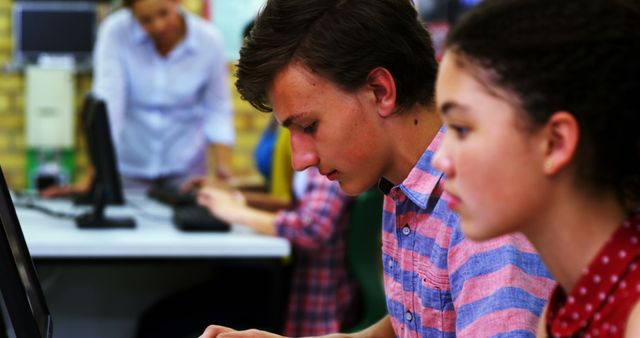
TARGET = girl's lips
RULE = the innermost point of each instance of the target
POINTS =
(453, 201)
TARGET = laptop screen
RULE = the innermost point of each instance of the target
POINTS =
(21, 292)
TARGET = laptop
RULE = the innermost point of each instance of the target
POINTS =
(22, 296)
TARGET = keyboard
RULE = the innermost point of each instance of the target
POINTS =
(172, 196)
(197, 218)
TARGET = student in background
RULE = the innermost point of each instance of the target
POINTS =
(540, 102)
(313, 216)
(322, 290)
(163, 75)
(353, 81)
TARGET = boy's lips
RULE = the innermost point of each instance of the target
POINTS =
(331, 175)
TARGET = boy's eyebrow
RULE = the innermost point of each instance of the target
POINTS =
(449, 106)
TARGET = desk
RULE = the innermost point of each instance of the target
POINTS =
(153, 237)
(98, 281)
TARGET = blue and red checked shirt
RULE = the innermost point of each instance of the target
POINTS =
(440, 284)
(321, 288)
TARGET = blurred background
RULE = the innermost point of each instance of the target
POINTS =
(25, 152)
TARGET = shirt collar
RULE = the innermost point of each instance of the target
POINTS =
(138, 35)
(190, 42)
(421, 182)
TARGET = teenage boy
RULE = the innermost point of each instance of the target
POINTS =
(353, 80)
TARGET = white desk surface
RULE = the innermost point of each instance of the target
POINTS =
(154, 236)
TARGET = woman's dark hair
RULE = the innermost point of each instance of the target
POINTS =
(341, 40)
(579, 56)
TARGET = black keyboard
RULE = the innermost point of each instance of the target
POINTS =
(197, 218)
(172, 196)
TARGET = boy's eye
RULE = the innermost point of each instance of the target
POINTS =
(310, 128)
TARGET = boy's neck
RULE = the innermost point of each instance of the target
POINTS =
(412, 131)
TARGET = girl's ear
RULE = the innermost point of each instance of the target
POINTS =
(561, 141)
(384, 90)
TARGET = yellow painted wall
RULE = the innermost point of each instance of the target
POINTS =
(248, 122)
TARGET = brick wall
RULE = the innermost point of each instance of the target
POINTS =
(12, 154)
(249, 123)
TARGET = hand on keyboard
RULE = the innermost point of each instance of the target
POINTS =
(197, 218)
(228, 205)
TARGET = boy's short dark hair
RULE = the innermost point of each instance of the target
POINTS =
(341, 40)
(580, 56)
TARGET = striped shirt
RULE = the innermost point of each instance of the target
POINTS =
(321, 288)
(438, 283)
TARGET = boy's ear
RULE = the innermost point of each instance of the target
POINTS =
(384, 90)
(562, 135)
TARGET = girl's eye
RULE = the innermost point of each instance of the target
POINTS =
(309, 129)
(461, 132)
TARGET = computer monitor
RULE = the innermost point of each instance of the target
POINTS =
(53, 28)
(22, 294)
(106, 187)
(114, 195)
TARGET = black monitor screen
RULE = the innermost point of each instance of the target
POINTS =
(58, 28)
(101, 151)
(106, 187)
(21, 292)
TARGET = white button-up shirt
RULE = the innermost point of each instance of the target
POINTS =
(163, 109)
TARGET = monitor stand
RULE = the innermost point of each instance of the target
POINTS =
(96, 218)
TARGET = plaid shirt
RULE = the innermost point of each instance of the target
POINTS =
(321, 289)
(438, 283)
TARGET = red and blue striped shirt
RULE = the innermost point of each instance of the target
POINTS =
(438, 283)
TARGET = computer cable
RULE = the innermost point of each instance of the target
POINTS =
(28, 204)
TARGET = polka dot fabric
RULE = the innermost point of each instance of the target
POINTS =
(604, 296)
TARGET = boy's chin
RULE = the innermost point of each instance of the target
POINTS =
(353, 188)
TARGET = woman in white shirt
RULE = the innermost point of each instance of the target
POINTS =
(164, 77)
